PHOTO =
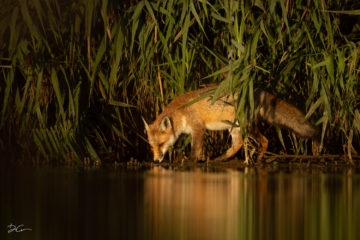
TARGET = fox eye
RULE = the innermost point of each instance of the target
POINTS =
(161, 145)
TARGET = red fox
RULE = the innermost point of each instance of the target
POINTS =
(180, 117)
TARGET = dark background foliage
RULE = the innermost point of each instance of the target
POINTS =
(77, 75)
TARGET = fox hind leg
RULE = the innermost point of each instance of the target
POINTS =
(264, 142)
(236, 144)
(260, 138)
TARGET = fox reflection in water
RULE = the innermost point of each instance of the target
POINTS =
(158, 203)
(183, 204)
(255, 204)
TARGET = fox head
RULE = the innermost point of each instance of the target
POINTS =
(161, 136)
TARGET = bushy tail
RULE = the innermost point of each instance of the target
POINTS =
(280, 113)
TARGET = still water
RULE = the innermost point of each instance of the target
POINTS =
(158, 203)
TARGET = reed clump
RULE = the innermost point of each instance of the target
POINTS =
(76, 76)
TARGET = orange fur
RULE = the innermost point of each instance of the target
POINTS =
(180, 117)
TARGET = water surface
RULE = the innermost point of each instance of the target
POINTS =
(158, 203)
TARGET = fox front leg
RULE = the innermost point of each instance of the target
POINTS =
(196, 145)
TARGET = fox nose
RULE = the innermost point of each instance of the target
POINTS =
(159, 158)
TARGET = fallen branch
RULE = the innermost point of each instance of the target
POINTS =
(274, 157)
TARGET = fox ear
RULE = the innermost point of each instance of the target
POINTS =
(145, 124)
(165, 124)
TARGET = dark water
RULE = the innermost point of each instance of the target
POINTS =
(164, 204)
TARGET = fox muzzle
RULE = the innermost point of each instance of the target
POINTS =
(159, 158)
